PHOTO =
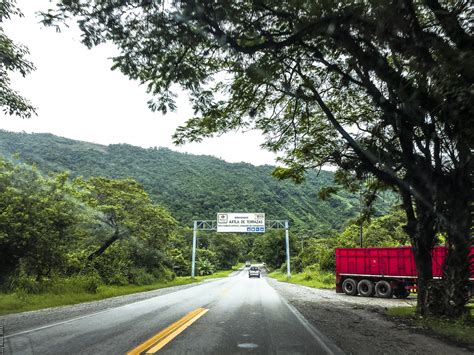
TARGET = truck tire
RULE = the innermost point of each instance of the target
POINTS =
(349, 286)
(401, 292)
(383, 289)
(366, 288)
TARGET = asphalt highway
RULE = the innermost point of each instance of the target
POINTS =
(233, 315)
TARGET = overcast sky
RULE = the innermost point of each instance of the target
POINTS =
(77, 96)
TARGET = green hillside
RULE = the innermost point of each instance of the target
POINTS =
(190, 186)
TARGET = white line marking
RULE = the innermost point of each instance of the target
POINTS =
(56, 324)
(329, 347)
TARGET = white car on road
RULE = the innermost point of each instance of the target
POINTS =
(254, 271)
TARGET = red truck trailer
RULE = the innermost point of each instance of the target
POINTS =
(385, 272)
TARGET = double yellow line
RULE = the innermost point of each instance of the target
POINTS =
(158, 341)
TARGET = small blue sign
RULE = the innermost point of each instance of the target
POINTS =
(256, 229)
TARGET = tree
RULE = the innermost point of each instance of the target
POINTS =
(228, 249)
(126, 209)
(40, 221)
(270, 248)
(12, 59)
(326, 84)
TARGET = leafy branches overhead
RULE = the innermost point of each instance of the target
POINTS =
(12, 60)
(327, 82)
(305, 73)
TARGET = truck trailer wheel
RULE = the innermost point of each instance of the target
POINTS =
(365, 288)
(383, 289)
(349, 286)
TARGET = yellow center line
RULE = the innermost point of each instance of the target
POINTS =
(169, 333)
(173, 335)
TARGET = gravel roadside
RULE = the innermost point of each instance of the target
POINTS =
(14, 323)
(358, 325)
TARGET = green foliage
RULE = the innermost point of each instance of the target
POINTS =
(193, 187)
(181, 265)
(55, 233)
(228, 249)
(270, 248)
(384, 231)
(12, 60)
(311, 277)
(459, 331)
(204, 266)
(39, 221)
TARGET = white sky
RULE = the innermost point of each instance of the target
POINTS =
(77, 96)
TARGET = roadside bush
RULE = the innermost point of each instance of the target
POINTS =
(204, 267)
(113, 266)
(26, 284)
(181, 265)
(57, 284)
(140, 277)
(21, 281)
(163, 273)
(320, 277)
(89, 283)
(296, 264)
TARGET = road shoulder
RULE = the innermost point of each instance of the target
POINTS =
(17, 322)
(358, 325)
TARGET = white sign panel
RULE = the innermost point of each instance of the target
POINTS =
(241, 222)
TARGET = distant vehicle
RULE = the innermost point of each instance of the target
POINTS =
(254, 271)
(247, 263)
(384, 272)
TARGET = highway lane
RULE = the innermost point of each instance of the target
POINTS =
(231, 316)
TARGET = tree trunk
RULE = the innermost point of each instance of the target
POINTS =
(458, 226)
(421, 230)
(422, 250)
(104, 246)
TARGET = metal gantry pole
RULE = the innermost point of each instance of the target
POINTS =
(193, 265)
(287, 239)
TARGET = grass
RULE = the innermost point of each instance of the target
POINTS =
(457, 331)
(220, 273)
(315, 279)
(21, 302)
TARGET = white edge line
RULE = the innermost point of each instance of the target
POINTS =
(325, 342)
(328, 345)
(54, 324)
(89, 315)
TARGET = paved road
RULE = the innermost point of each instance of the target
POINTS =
(231, 316)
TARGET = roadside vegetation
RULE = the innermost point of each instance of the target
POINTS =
(459, 331)
(65, 240)
(75, 290)
(309, 277)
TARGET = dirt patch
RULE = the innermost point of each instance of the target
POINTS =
(358, 325)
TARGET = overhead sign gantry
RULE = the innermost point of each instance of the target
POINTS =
(241, 223)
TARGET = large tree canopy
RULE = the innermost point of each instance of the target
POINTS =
(374, 87)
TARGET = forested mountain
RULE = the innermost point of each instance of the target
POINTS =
(189, 186)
